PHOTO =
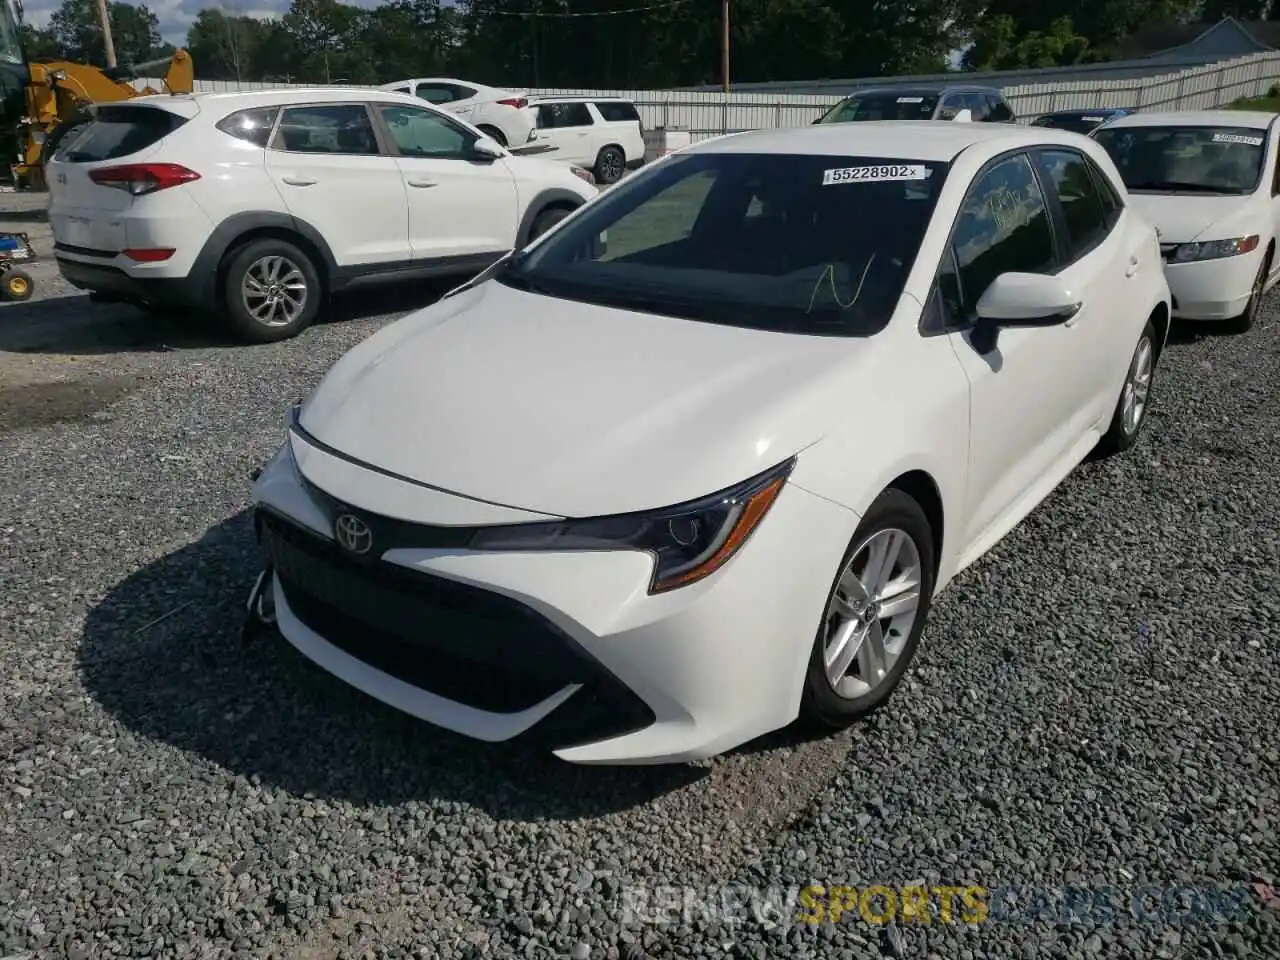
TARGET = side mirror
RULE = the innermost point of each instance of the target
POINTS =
(487, 150)
(1027, 300)
(963, 116)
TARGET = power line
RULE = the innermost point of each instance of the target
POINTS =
(595, 13)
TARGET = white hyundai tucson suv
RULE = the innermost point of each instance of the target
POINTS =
(258, 205)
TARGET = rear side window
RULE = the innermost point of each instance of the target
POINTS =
(1000, 112)
(435, 94)
(615, 112)
(552, 116)
(252, 126)
(1081, 205)
(326, 128)
(118, 132)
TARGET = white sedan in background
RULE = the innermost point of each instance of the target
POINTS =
(497, 113)
(698, 460)
(1209, 181)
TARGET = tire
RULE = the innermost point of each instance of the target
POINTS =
(17, 285)
(546, 220)
(1130, 414)
(894, 515)
(493, 133)
(1246, 320)
(250, 268)
(611, 164)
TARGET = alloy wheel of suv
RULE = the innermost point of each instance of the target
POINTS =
(271, 290)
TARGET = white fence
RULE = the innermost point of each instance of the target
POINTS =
(711, 114)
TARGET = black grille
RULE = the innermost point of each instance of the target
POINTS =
(463, 643)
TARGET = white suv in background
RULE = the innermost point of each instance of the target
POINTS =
(497, 113)
(259, 204)
(603, 134)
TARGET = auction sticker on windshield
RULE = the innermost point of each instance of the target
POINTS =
(873, 174)
(1237, 138)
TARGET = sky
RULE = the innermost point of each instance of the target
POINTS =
(176, 15)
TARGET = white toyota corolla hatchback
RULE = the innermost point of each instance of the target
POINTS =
(696, 462)
(1209, 181)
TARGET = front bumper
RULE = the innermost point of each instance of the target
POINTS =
(1212, 289)
(567, 650)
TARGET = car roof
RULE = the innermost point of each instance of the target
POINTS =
(930, 89)
(1086, 112)
(283, 96)
(1251, 119)
(928, 140)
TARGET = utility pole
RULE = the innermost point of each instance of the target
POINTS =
(108, 44)
(723, 42)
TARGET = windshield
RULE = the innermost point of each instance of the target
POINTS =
(1215, 160)
(882, 106)
(10, 33)
(1074, 122)
(801, 244)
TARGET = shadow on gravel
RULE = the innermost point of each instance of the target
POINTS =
(73, 326)
(34, 214)
(1190, 331)
(76, 326)
(162, 653)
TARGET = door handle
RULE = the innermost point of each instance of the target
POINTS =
(1132, 268)
(422, 183)
(298, 181)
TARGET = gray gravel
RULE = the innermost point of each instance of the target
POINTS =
(1095, 705)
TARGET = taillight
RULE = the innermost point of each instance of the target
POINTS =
(518, 102)
(143, 178)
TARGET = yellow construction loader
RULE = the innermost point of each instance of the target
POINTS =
(48, 98)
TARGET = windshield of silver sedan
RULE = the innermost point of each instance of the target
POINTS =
(797, 243)
(1193, 159)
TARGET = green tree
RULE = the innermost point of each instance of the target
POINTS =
(135, 32)
(39, 44)
(228, 47)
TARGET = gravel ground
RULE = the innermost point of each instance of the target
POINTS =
(1095, 704)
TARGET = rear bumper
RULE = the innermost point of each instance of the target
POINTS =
(115, 283)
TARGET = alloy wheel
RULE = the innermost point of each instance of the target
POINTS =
(872, 612)
(274, 291)
(1137, 387)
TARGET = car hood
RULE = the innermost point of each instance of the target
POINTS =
(1182, 219)
(571, 409)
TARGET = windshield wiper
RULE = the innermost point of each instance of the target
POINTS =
(1183, 185)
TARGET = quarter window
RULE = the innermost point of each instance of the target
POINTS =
(421, 133)
(253, 126)
(1082, 208)
(1003, 227)
(331, 128)
(615, 111)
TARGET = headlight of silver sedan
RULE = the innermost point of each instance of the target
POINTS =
(1214, 249)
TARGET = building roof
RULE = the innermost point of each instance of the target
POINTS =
(1251, 36)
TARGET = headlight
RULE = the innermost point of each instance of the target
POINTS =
(1214, 249)
(688, 542)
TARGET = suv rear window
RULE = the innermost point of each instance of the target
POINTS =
(614, 111)
(118, 132)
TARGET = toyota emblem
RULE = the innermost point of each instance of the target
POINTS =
(353, 534)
